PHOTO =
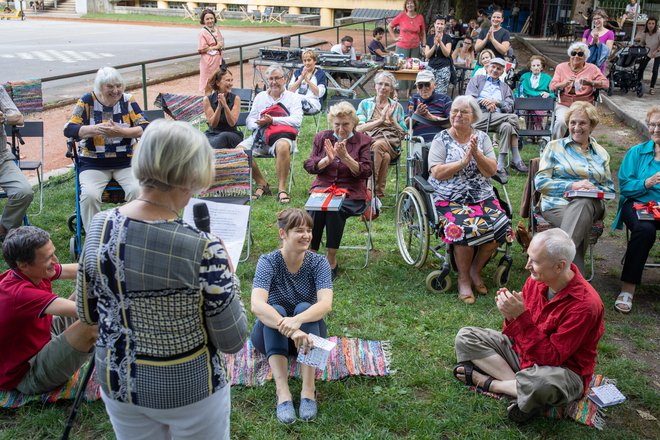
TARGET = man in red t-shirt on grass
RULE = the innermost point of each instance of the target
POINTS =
(546, 354)
(39, 352)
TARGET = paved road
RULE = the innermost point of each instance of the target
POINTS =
(44, 48)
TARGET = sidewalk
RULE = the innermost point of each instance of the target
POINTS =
(629, 108)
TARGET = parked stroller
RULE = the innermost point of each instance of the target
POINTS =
(625, 70)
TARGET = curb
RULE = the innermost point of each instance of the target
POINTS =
(635, 124)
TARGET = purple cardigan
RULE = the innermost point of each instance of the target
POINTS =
(358, 146)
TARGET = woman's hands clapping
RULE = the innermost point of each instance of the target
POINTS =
(470, 152)
(336, 151)
(109, 129)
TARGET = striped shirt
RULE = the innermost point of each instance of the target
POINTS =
(563, 164)
(90, 111)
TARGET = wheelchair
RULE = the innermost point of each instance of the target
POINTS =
(417, 219)
(113, 193)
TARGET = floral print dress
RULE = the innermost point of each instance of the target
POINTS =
(469, 213)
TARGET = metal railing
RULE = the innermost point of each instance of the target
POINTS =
(284, 40)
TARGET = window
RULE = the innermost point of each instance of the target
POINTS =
(148, 4)
(234, 7)
(312, 11)
(176, 5)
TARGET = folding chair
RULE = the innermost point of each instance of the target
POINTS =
(258, 16)
(527, 108)
(367, 220)
(31, 129)
(188, 13)
(220, 15)
(187, 108)
(267, 14)
(278, 17)
(259, 155)
(246, 16)
(233, 184)
(245, 95)
(241, 123)
(152, 115)
(538, 224)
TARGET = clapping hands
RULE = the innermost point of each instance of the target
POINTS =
(510, 304)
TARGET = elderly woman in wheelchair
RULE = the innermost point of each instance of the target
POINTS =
(463, 203)
(575, 163)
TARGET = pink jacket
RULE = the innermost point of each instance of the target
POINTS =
(569, 95)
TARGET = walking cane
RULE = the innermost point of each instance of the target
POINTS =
(78, 400)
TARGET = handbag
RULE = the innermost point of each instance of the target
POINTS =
(275, 132)
(390, 134)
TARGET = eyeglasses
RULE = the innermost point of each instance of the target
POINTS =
(275, 78)
(420, 86)
(653, 127)
(462, 112)
(577, 54)
(467, 42)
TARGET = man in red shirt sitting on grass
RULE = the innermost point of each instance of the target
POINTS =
(546, 354)
(41, 340)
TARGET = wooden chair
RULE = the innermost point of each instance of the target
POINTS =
(267, 14)
(246, 16)
(188, 13)
(278, 17)
(220, 15)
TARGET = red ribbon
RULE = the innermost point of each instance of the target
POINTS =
(650, 207)
(333, 191)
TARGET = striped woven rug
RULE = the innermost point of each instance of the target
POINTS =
(583, 411)
(351, 357)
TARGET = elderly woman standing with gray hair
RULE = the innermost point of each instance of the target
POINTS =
(108, 122)
(461, 163)
(574, 80)
(165, 297)
(382, 118)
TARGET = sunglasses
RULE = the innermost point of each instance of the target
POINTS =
(577, 54)
(420, 86)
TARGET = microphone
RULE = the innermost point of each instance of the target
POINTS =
(201, 217)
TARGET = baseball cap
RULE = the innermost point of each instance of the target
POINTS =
(424, 76)
(499, 61)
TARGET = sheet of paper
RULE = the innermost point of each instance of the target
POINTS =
(318, 356)
(229, 222)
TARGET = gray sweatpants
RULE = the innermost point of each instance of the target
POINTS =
(506, 125)
(537, 387)
(19, 193)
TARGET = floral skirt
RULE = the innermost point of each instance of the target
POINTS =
(473, 225)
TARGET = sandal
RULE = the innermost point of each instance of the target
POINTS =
(623, 302)
(468, 368)
(651, 92)
(481, 288)
(262, 190)
(283, 197)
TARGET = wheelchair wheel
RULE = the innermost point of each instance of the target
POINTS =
(502, 274)
(436, 282)
(639, 89)
(73, 249)
(412, 228)
(72, 223)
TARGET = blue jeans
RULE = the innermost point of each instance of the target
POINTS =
(270, 342)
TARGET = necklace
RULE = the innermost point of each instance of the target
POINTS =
(159, 205)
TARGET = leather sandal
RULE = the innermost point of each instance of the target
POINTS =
(262, 190)
(283, 197)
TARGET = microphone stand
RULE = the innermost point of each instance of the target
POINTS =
(78, 400)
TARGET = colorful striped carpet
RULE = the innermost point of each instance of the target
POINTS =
(583, 411)
(232, 174)
(351, 357)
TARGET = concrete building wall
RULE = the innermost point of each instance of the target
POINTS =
(294, 6)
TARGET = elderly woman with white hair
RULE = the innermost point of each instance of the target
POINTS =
(576, 162)
(108, 123)
(165, 297)
(382, 118)
(461, 163)
(340, 157)
(574, 80)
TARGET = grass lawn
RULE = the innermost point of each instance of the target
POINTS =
(178, 20)
(388, 301)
